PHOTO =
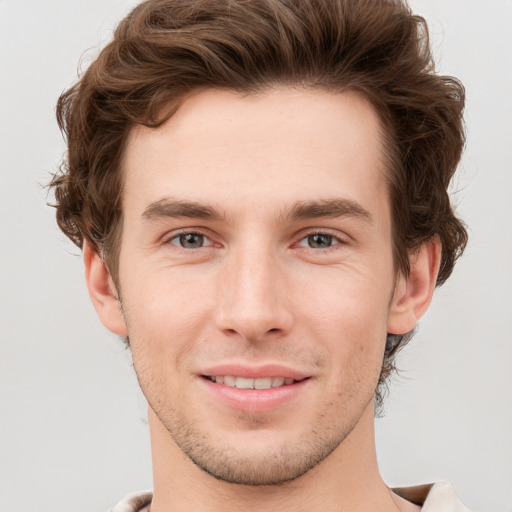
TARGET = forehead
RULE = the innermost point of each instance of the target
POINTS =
(284, 145)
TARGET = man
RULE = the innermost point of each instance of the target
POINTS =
(260, 192)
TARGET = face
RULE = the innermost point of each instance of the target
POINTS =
(256, 276)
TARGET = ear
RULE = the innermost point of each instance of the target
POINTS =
(102, 291)
(413, 293)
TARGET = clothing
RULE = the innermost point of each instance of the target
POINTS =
(438, 497)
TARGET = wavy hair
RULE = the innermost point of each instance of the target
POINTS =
(164, 49)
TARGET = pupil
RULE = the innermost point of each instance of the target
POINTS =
(191, 240)
(320, 241)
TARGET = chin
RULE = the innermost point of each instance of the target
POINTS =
(256, 456)
(272, 468)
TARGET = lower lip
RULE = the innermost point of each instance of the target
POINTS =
(254, 400)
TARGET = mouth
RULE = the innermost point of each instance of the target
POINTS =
(260, 383)
(259, 389)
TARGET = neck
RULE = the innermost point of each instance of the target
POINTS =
(347, 480)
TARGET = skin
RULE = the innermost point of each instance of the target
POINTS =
(257, 285)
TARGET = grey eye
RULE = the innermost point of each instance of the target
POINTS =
(319, 241)
(191, 240)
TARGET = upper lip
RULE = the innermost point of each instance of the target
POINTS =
(254, 371)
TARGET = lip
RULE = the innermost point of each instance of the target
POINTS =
(254, 400)
(254, 372)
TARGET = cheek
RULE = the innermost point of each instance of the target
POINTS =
(163, 325)
(165, 311)
(346, 313)
(351, 298)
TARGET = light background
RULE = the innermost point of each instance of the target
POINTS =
(73, 433)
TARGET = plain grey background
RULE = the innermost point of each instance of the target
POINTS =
(73, 430)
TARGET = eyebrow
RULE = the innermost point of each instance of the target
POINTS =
(171, 208)
(300, 210)
(329, 208)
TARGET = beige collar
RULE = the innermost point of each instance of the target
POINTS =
(438, 497)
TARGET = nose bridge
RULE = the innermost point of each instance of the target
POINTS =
(252, 303)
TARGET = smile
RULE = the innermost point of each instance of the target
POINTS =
(255, 390)
(248, 383)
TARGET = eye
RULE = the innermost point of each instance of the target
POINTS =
(190, 240)
(319, 241)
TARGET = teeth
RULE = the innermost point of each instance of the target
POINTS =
(229, 381)
(277, 381)
(244, 383)
(263, 383)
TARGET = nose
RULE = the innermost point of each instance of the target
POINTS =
(253, 295)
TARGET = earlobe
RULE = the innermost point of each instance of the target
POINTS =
(102, 291)
(413, 293)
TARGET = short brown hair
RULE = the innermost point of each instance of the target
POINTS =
(164, 49)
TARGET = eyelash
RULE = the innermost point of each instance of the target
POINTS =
(177, 236)
(334, 238)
